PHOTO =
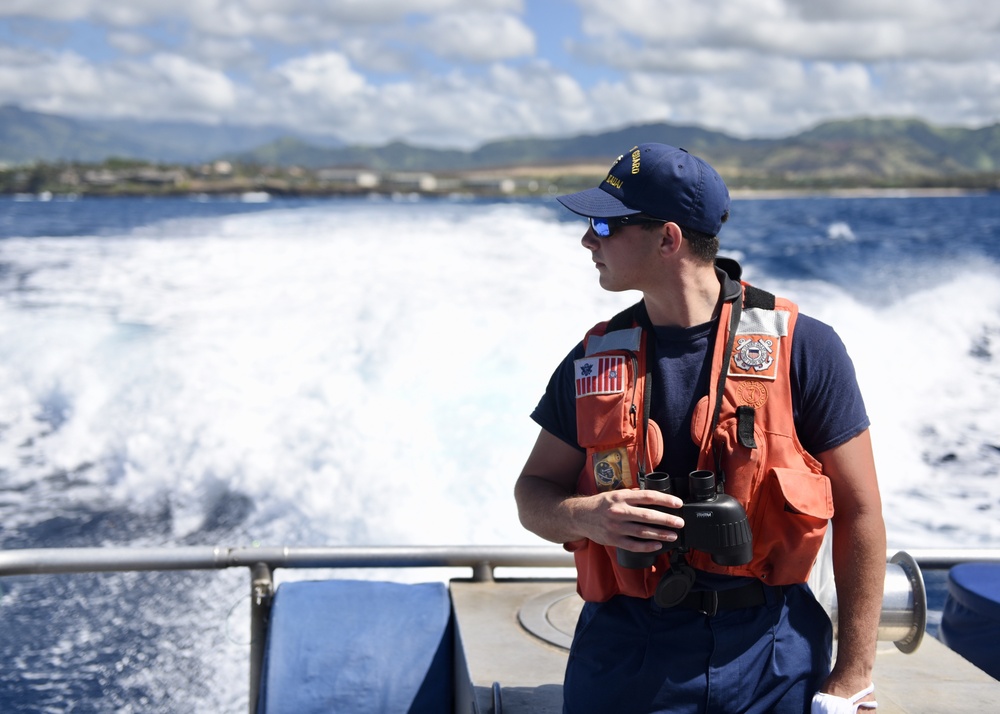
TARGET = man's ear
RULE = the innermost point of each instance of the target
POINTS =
(671, 238)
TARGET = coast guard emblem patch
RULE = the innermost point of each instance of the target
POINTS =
(600, 375)
(754, 356)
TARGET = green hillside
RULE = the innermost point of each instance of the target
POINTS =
(883, 153)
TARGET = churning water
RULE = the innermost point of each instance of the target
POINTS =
(361, 373)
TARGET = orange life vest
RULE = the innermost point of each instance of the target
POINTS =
(752, 445)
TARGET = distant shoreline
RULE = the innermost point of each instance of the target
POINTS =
(224, 178)
(265, 194)
(755, 193)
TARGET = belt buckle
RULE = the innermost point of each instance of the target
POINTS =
(709, 603)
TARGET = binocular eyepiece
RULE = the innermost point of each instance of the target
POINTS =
(713, 522)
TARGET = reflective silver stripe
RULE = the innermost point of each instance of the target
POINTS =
(758, 321)
(617, 340)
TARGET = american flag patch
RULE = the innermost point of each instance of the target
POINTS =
(600, 375)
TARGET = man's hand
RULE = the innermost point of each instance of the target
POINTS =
(548, 505)
(628, 518)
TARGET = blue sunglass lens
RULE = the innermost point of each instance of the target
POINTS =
(601, 227)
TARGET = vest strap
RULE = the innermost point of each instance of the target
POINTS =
(752, 298)
(734, 323)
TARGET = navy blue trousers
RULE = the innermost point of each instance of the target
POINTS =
(630, 655)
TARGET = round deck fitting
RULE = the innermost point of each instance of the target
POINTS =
(552, 615)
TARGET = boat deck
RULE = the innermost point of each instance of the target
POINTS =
(498, 647)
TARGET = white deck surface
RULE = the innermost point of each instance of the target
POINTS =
(529, 670)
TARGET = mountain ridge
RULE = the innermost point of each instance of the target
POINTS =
(843, 150)
(853, 151)
(27, 136)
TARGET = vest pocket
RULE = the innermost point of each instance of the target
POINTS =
(805, 493)
(789, 524)
(743, 467)
(607, 420)
(605, 397)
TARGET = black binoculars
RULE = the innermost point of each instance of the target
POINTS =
(713, 522)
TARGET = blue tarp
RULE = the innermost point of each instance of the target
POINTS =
(358, 646)
(970, 621)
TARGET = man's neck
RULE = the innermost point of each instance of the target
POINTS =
(690, 298)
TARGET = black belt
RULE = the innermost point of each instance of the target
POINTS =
(711, 601)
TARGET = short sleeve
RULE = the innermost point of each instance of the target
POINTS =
(556, 410)
(828, 405)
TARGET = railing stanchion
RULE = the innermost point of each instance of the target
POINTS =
(482, 572)
(261, 592)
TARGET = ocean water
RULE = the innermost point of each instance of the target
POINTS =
(360, 372)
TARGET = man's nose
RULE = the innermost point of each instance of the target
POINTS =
(590, 240)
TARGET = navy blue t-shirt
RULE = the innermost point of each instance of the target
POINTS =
(826, 401)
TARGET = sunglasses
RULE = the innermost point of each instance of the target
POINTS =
(605, 227)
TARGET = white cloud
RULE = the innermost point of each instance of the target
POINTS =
(461, 72)
(47, 83)
(131, 43)
(224, 53)
(456, 109)
(955, 94)
(477, 37)
(905, 11)
(167, 86)
(55, 10)
(377, 55)
(193, 85)
(773, 66)
(863, 30)
(273, 19)
(326, 76)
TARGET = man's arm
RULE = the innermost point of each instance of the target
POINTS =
(548, 506)
(859, 548)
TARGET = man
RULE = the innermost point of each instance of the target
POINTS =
(706, 373)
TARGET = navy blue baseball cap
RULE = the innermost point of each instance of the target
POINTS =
(660, 181)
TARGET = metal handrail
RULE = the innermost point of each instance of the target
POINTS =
(482, 559)
(35, 561)
(936, 558)
(32, 561)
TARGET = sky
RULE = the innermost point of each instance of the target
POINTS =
(459, 73)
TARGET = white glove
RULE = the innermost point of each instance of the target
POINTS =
(829, 704)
